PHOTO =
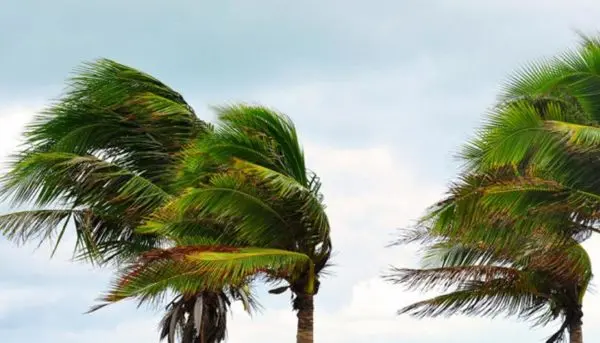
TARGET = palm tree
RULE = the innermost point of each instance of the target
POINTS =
(519, 280)
(536, 157)
(529, 177)
(101, 159)
(250, 210)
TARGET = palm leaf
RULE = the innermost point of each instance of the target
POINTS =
(197, 268)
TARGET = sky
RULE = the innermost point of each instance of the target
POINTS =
(383, 93)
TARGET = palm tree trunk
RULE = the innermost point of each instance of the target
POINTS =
(576, 333)
(304, 333)
(201, 336)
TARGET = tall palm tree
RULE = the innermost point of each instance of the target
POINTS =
(529, 177)
(519, 280)
(100, 160)
(250, 210)
(538, 154)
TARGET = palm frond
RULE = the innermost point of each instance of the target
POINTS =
(484, 200)
(121, 113)
(39, 225)
(572, 74)
(492, 298)
(447, 277)
(49, 177)
(202, 268)
(287, 188)
(252, 129)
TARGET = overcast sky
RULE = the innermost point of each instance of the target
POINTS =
(383, 94)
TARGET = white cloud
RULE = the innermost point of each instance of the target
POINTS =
(14, 119)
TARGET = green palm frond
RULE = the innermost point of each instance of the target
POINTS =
(260, 136)
(567, 262)
(447, 277)
(306, 197)
(481, 200)
(193, 269)
(572, 74)
(523, 131)
(228, 198)
(121, 113)
(192, 230)
(114, 199)
(69, 177)
(39, 225)
(530, 280)
(492, 298)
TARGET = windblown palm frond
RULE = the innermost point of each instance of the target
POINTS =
(571, 74)
(193, 269)
(500, 199)
(520, 280)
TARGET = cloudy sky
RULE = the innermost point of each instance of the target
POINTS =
(383, 93)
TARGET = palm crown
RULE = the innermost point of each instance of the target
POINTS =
(536, 156)
(248, 208)
(101, 159)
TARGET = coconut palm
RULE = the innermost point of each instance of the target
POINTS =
(250, 210)
(519, 280)
(100, 160)
(536, 156)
